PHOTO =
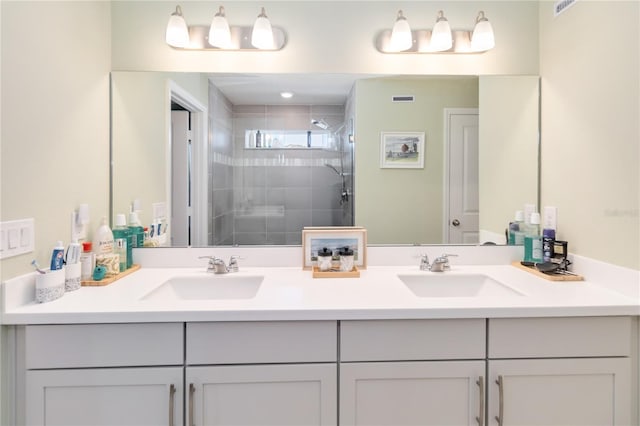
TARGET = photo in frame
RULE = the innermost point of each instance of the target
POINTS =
(402, 150)
(334, 238)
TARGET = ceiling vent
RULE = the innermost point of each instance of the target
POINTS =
(409, 98)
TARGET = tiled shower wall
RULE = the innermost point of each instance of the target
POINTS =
(266, 196)
(220, 168)
(277, 192)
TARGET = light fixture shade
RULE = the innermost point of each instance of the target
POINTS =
(219, 31)
(177, 30)
(401, 37)
(482, 37)
(441, 38)
(262, 34)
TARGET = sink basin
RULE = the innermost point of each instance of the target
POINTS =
(455, 285)
(207, 287)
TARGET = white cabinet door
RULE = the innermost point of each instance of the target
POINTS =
(262, 395)
(105, 397)
(412, 393)
(560, 392)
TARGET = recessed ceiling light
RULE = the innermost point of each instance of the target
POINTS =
(286, 95)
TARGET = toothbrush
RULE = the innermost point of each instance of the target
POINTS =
(35, 265)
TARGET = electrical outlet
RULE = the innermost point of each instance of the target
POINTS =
(16, 237)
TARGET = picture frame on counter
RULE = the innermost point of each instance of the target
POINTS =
(334, 238)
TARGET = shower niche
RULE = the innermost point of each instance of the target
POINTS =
(289, 139)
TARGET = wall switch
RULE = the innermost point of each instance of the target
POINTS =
(550, 218)
(16, 237)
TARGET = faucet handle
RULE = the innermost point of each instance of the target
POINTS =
(233, 263)
(445, 259)
(212, 262)
(424, 262)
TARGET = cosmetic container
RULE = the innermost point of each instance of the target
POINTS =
(533, 240)
(103, 239)
(325, 258)
(87, 261)
(346, 259)
(123, 241)
(57, 257)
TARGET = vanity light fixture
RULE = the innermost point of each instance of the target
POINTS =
(401, 37)
(482, 37)
(219, 31)
(219, 35)
(262, 34)
(442, 39)
(177, 31)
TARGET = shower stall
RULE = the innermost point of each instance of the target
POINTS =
(267, 186)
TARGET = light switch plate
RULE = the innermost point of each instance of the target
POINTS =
(17, 237)
(550, 218)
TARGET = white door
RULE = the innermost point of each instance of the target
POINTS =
(412, 393)
(104, 397)
(560, 392)
(181, 179)
(462, 222)
(262, 395)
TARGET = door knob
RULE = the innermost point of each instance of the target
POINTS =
(455, 222)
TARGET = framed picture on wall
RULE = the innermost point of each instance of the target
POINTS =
(402, 150)
(334, 238)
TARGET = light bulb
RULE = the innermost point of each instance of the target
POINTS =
(401, 37)
(482, 37)
(219, 32)
(262, 34)
(177, 31)
(441, 39)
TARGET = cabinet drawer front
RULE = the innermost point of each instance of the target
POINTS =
(389, 340)
(103, 345)
(261, 342)
(559, 337)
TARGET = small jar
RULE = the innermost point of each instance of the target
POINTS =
(325, 258)
(346, 259)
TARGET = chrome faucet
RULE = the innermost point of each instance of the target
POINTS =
(440, 264)
(217, 265)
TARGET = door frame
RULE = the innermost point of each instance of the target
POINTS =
(448, 112)
(199, 223)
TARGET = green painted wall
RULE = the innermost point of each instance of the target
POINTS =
(382, 195)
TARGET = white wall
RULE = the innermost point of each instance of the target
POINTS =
(55, 118)
(590, 127)
(55, 124)
(327, 36)
(508, 149)
(140, 135)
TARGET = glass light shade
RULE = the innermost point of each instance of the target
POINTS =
(401, 37)
(482, 37)
(262, 34)
(219, 32)
(441, 38)
(177, 31)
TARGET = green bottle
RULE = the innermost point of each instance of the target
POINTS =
(123, 241)
(137, 230)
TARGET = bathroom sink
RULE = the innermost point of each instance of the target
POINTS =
(455, 285)
(207, 287)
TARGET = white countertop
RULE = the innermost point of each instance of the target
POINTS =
(290, 293)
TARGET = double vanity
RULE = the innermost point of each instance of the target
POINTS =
(482, 344)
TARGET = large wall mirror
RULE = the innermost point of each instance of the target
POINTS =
(223, 159)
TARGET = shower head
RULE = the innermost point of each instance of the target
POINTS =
(320, 123)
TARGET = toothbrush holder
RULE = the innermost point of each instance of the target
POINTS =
(50, 286)
(72, 274)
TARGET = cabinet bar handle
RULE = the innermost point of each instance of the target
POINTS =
(480, 418)
(500, 416)
(172, 397)
(192, 390)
